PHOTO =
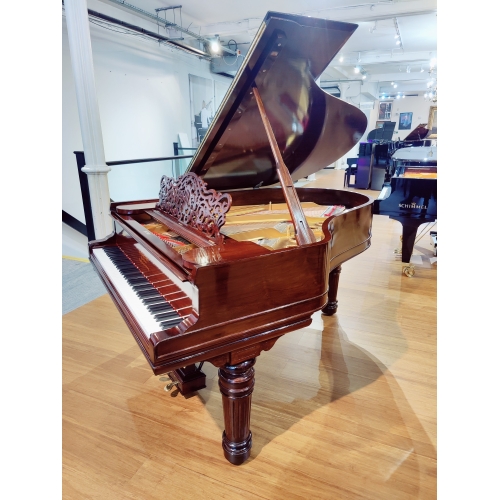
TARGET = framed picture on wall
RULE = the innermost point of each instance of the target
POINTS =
(384, 110)
(405, 121)
(432, 122)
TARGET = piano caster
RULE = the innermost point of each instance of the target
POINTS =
(409, 270)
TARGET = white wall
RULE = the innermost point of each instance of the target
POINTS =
(143, 96)
(416, 105)
(355, 94)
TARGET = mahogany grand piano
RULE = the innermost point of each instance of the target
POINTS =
(231, 256)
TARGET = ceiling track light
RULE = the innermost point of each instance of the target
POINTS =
(215, 44)
(397, 36)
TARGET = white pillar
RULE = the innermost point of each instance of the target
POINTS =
(88, 110)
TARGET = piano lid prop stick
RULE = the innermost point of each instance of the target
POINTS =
(303, 232)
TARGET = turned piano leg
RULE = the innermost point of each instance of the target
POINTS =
(333, 287)
(236, 384)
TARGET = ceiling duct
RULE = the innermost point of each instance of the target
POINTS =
(333, 90)
(226, 65)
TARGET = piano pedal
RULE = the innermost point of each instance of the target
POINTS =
(188, 379)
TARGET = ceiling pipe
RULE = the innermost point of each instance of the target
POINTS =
(166, 23)
(151, 34)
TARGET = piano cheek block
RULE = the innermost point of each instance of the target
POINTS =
(236, 383)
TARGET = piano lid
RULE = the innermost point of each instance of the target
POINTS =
(418, 133)
(312, 128)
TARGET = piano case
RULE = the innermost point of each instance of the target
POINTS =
(190, 283)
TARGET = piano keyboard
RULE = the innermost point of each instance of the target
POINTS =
(155, 301)
(384, 193)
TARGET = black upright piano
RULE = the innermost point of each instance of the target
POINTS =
(231, 256)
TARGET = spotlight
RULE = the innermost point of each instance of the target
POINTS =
(395, 85)
(398, 42)
(356, 69)
(341, 59)
(215, 44)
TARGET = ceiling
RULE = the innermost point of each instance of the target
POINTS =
(373, 46)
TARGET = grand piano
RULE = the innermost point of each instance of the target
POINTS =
(231, 256)
(410, 196)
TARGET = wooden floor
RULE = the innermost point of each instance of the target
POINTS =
(343, 409)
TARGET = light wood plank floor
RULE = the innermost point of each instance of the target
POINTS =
(343, 409)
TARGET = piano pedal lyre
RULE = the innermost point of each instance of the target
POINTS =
(187, 379)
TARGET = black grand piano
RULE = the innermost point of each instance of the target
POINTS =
(231, 256)
(410, 195)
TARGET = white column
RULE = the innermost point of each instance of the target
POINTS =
(88, 110)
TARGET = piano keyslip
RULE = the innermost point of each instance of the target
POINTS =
(156, 302)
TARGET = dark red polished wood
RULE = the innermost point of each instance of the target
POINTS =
(236, 384)
(188, 379)
(236, 297)
(303, 232)
(333, 286)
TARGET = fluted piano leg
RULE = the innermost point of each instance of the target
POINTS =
(236, 384)
(333, 286)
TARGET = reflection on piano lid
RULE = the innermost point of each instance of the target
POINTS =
(206, 275)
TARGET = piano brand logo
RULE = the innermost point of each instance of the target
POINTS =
(412, 205)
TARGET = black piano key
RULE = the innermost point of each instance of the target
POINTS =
(148, 294)
(140, 293)
(169, 324)
(160, 307)
(166, 316)
(156, 304)
(142, 288)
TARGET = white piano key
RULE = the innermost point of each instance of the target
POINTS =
(140, 312)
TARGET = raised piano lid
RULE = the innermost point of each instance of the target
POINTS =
(312, 128)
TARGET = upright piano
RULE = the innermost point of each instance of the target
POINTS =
(231, 256)
(410, 196)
